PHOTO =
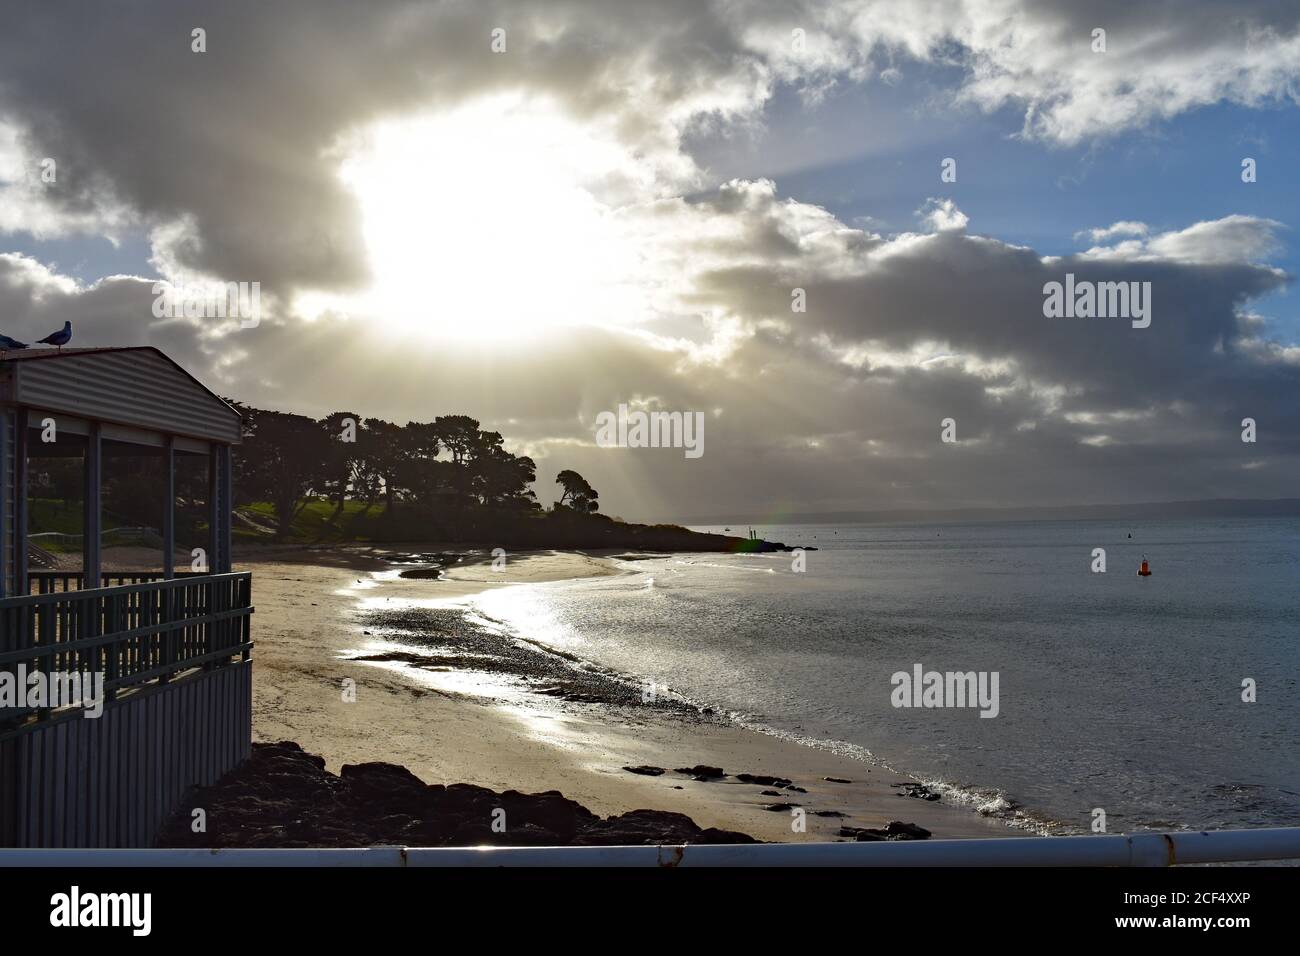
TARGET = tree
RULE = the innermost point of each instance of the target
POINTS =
(343, 461)
(418, 472)
(459, 434)
(578, 494)
(381, 451)
(501, 479)
(284, 458)
(449, 466)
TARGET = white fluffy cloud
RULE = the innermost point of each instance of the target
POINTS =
(1233, 238)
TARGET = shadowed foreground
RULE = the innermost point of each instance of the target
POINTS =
(284, 797)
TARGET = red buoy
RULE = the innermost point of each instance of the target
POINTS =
(1144, 571)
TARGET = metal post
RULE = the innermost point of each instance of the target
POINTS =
(94, 480)
(227, 505)
(21, 585)
(169, 508)
(6, 501)
(214, 510)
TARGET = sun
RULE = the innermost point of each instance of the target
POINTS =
(496, 220)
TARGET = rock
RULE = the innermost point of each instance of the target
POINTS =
(763, 780)
(650, 827)
(471, 833)
(836, 780)
(897, 830)
(918, 790)
(530, 835)
(827, 813)
(646, 771)
(702, 772)
(793, 789)
(381, 776)
(550, 811)
(283, 797)
(769, 793)
(894, 830)
(712, 835)
(778, 807)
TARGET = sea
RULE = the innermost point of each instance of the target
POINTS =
(1168, 701)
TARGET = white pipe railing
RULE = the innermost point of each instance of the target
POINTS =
(1138, 849)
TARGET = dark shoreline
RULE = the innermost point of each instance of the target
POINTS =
(528, 532)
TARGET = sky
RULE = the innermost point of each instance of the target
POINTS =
(535, 213)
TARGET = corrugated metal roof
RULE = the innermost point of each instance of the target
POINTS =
(14, 355)
(138, 386)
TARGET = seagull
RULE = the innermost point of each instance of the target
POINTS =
(6, 343)
(59, 338)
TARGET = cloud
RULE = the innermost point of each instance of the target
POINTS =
(233, 161)
(1234, 238)
(942, 215)
(1114, 231)
(834, 408)
(236, 162)
(1040, 58)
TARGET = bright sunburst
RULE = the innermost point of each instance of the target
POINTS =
(486, 223)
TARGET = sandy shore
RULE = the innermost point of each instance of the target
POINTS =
(451, 723)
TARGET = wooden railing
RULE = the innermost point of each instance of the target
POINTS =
(138, 632)
(167, 664)
(51, 582)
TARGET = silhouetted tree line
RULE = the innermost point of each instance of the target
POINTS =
(449, 471)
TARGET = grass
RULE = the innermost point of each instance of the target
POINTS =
(314, 524)
(46, 515)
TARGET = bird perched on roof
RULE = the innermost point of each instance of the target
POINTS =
(6, 343)
(59, 338)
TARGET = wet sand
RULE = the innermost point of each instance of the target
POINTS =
(459, 704)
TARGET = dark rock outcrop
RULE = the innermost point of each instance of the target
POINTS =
(702, 772)
(918, 790)
(284, 797)
(763, 780)
(893, 830)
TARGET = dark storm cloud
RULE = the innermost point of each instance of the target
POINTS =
(236, 141)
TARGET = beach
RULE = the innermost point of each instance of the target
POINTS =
(358, 664)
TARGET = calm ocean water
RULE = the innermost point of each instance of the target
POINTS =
(1115, 691)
